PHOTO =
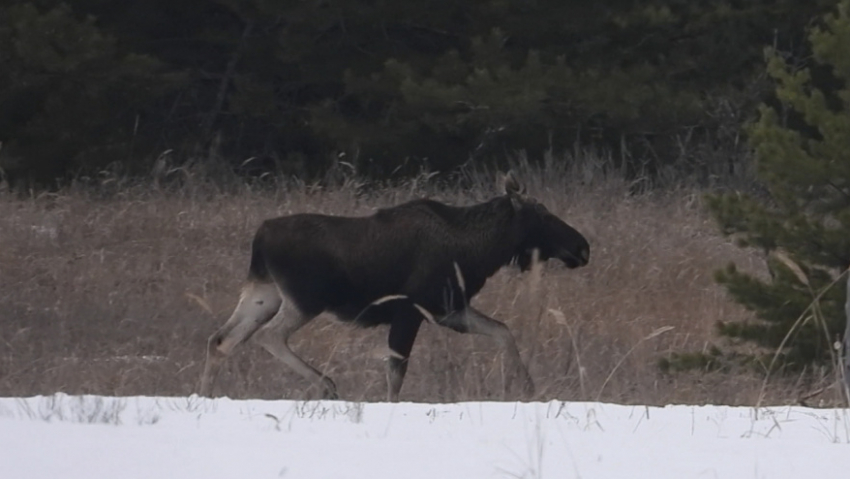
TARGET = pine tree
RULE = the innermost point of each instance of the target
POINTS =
(802, 148)
(70, 99)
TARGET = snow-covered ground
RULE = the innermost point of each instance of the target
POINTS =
(87, 437)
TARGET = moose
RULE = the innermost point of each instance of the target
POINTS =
(419, 261)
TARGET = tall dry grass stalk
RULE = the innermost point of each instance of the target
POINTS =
(814, 313)
(118, 296)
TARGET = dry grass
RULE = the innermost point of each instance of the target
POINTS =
(119, 296)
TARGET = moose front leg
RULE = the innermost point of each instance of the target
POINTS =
(403, 332)
(470, 320)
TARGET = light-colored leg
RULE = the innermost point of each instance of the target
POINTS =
(257, 305)
(470, 320)
(274, 337)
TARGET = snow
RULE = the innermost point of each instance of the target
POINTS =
(76, 437)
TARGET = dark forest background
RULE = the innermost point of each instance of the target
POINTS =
(389, 87)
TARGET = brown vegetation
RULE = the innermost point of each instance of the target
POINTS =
(119, 296)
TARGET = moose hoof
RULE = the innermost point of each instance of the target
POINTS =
(331, 395)
(528, 389)
(330, 389)
(525, 389)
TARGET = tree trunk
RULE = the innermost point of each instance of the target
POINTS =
(846, 355)
(209, 121)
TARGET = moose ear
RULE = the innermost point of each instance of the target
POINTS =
(512, 185)
(514, 190)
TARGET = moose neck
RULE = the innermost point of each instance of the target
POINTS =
(491, 236)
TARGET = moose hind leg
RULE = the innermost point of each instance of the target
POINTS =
(257, 305)
(470, 320)
(403, 332)
(274, 338)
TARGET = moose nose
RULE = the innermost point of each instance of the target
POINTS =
(584, 254)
